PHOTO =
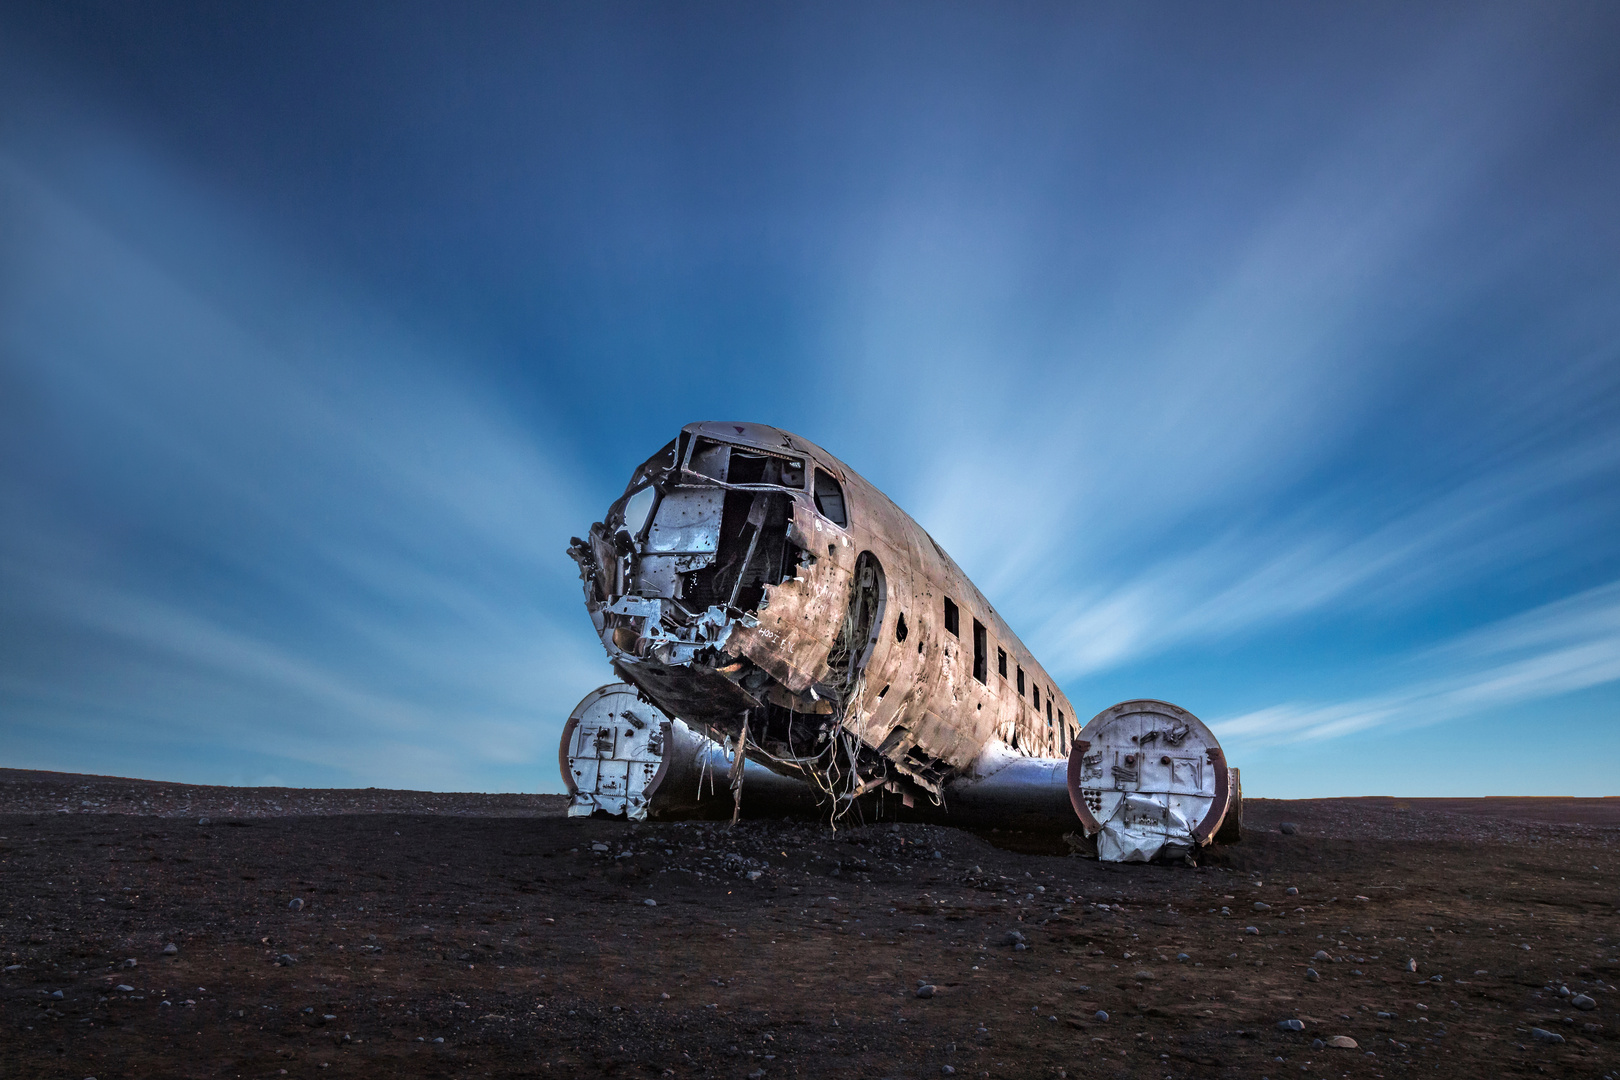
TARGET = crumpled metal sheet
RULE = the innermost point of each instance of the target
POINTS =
(1143, 828)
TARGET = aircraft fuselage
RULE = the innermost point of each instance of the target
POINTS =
(751, 583)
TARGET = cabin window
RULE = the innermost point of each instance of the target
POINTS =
(900, 628)
(830, 499)
(1037, 692)
(1001, 662)
(981, 654)
(953, 621)
(1020, 682)
(637, 508)
(1049, 708)
(1063, 735)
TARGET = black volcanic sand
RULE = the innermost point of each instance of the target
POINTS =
(473, 935)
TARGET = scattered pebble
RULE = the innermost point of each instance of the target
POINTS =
(1545, 1036)
(1290, 1025)
(1291, 891)
(1261, 905)
(1251, 929)
(1288, 828)
(170, 949)
(1101, 1015)
(296, 903)
(1583, 1002)
(651, 902)
(1342, 1042)
(124, 988)
(1311, 975)
(926, 990)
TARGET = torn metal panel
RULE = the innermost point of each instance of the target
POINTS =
(1148, 780)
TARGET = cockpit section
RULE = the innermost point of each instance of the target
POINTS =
(726, 587)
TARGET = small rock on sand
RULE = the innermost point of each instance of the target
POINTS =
(1545, 1036)
(1343, 1042)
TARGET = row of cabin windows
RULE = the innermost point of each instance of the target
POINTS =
(953, 623)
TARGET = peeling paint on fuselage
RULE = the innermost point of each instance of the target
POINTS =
(783, 609)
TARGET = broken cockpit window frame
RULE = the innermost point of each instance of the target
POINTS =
(745, 466)
(654, 468)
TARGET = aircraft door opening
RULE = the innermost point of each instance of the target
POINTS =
(863, 622)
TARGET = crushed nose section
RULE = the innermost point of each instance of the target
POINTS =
(614, 753)
(687, 553)
(1148, 780)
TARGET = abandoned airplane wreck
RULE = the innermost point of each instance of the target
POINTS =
(751, 585)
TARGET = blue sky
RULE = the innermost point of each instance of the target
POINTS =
(1265, 359)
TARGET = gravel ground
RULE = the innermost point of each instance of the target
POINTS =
(329, 933)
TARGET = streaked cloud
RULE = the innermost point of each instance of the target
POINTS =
(1559, 648)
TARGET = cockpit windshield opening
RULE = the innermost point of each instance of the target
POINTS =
(746, 468)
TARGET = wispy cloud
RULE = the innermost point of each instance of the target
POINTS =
(310, 545)
(1250, 579)
(1559, 648)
